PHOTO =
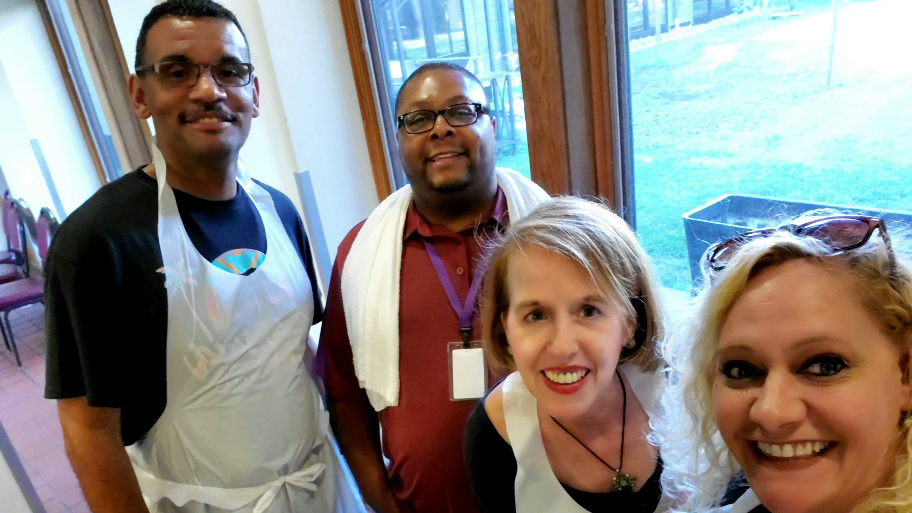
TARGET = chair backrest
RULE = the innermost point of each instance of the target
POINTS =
(16, 228)
(45, 227)
(7, 226)
(18, 213)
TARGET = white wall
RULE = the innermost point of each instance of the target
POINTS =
(128, 16)
(20, 168)
(268, 152)
(38, 89)
(313, 72)
(309, 114)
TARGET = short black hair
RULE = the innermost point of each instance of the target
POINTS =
(431, 66)
(182, 9)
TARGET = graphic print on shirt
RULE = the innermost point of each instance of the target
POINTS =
(240, 261)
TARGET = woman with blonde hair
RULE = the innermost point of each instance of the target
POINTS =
(793, 373)
(571, 307)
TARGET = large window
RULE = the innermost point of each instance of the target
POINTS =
(803, 100)
(84, 88)
(479, 35)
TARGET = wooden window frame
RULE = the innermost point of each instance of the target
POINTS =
(57, 36)
(572, 87)
(368, 98)
(107, 61)
(104, 56)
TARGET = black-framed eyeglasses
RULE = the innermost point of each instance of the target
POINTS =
(842, 233)
(461, 114)
(187, 74)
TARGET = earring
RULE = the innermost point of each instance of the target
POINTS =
(630, 344)
(510, 350)
(905, 419)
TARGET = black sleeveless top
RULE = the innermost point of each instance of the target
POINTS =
(492, 469)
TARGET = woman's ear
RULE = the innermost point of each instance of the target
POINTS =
(906, 389)
(630, 333)
(503, 332)
(904, 368)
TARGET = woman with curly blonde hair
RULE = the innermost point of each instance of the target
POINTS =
(793, 373)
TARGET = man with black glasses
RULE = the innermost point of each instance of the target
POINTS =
(399, 345)
(179, 300)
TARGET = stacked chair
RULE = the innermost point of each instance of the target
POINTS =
(6, 257)
(14, 227)
(23, 289)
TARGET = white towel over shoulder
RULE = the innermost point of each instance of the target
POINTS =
(370, 284)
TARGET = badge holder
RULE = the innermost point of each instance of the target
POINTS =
(468, 374)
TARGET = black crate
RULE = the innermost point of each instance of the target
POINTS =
(731, 214)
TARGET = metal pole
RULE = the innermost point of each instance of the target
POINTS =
(832, 47)
(427, 21)
(658, 20)
(487, 16)
(400, 44)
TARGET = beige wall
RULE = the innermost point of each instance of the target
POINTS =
(309, 115)
(36, 105)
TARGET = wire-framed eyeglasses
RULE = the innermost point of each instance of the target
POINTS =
(460, 114)
(187, 74)
(842, 233)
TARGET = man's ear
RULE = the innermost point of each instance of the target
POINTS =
(256, 96)
(138, 97)
(494, 124)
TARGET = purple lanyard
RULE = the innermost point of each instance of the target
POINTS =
(464, 311)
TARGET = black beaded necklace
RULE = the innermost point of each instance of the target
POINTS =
(622, 482)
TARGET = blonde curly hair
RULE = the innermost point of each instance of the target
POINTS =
(698, 466)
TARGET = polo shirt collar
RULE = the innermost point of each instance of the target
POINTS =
(417, 223)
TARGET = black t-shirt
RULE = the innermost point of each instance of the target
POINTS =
(105, 301)
(736, 488)
(492, 468)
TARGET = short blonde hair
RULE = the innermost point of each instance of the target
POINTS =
(698, 465)
(601, 243)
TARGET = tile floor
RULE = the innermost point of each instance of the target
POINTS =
(31, 421)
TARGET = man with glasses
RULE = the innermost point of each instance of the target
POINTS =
(399, 346)
(179, 299)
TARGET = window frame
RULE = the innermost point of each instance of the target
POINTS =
(570, 85)
(105, 58)
(375, 131)
(75, 86)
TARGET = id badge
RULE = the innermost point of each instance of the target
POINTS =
(468, 374)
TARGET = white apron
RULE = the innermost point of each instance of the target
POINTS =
(536, 488)
(244, 429)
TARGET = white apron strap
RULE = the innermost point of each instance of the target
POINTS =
(536, 488)
(154, 489)
(646, 386)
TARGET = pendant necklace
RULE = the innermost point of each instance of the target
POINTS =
(622, 482)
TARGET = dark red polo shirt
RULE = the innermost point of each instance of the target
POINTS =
(423, 435)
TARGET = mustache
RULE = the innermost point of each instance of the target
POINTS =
(214, 110)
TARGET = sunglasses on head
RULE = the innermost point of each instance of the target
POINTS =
(842, 233)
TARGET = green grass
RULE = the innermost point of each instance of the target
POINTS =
(744, 109)
(518, 161)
